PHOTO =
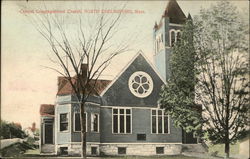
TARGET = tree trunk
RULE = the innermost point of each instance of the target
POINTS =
(83, 132)
(227, 145)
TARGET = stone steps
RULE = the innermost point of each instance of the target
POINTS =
(48, 148)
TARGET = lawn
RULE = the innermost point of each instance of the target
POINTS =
(219, 149)
(35, 153)
(152, 157)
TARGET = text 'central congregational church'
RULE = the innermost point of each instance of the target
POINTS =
(122, 115)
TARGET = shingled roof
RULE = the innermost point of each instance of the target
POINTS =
(174, 12)
(47, 110)
(95, 86)
(65, 88)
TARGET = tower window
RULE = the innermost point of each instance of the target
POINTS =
(178, 36)
(174, 36)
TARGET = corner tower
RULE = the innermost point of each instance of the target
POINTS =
(166, 33)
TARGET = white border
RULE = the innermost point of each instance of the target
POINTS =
(123, 70)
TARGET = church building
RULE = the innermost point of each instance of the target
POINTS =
(122, 115)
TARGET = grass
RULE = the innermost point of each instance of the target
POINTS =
(130, 157)
(152, 157)
(219, 149)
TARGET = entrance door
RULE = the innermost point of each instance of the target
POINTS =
(48, 133)
(188, 138)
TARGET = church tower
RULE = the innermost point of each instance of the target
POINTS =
(166, 33)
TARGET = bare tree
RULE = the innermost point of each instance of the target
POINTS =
(93, 44)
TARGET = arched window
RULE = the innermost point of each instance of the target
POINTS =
(178, 36)
(172, 37)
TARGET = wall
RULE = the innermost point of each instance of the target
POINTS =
(91, 136)
(119, 94)
(141, 123)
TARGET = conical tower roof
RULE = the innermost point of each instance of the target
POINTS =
(174, 12)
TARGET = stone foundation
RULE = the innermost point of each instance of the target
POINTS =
(74, 149)
(140, 149)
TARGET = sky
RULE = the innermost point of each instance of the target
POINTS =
(26, 83)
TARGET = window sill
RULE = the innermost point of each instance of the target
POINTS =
(95, 132)
(66, 131)
(122, 133)
(160, 133)
(77, 131)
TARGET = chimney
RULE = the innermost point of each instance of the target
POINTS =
(61, 81)
(84, 70)
(33, 128)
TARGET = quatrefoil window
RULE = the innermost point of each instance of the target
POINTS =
(140, 84)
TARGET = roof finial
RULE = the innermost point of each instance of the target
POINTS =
(189, 17)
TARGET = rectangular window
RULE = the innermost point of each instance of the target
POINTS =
(159, 122)
(63, 150)
(121, 120)
(159, 150)
(77, 123)
(95, 122)
(64, 122)
(93, 150)
(122, 150)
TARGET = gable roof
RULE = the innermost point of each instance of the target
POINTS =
(65, 88)
(123, 70)
(174, 12)
(47, 110)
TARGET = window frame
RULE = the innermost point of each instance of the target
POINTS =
(163, 115)
(68, 121)
(170, 37)
(125, 121)
(74, 121)
(92, 123)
